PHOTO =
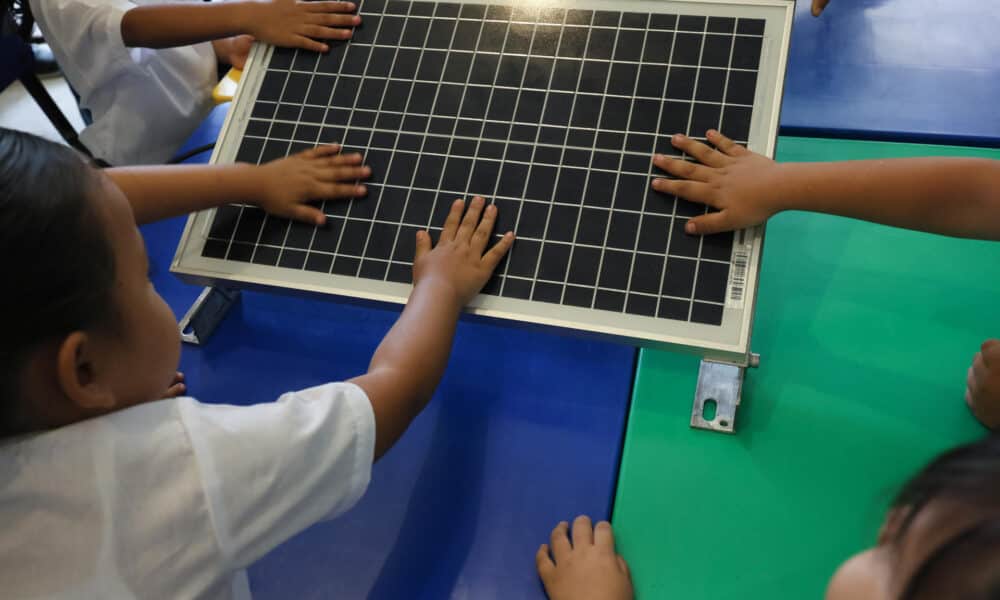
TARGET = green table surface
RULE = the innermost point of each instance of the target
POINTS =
(865, 334)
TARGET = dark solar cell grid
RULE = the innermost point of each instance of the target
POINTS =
(550, 113)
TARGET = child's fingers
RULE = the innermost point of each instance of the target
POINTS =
(471, 220)
(543, 562)
(725, 144)
(484, 230)
(451, 223)
(662, 161)
(623, 566)
(498, 251)
(818, 6)
(559, 542)
(979, 365)
(702, 152)
(583, 531)
(320, 151)
(604, 537)
(694, 191)
(338, 190)
(307, 214)
(708, 224)
(329, 7)
(991, 353)
(335, 174)
(423, 245)
(325, 33)
(334, 20)
(345, 159)
(301, 41)
(683, 168)
(175, 390)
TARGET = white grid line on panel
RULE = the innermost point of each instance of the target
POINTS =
(673, 210)
(555, 182)
(594, 148)
(510, 130)
(611, 212)
(528, 57)
(701, 240)
(411, 187)
(392, 155)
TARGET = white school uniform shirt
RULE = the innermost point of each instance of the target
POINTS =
(145, 103)
(174, 499)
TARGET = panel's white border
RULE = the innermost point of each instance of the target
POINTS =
(728, 342)
(778, 42)
(196, 229)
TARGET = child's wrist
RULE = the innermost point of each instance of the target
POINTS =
(444, 290)
(785, 193)
(249, 182)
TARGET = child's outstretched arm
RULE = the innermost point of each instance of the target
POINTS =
(281, 187)
(275, 468)
(950, 196)
(292, 23)
(411, 359)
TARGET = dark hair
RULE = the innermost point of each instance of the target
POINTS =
(55, 261)
(966, 566)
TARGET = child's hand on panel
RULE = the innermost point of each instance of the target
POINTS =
(298, 24)
(458, 265)
(739, 183)
(288, 184)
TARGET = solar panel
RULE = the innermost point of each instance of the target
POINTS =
(552, 112)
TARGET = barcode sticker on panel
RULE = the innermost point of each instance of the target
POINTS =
(736, 290)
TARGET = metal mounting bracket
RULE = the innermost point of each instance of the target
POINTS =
(206, 313)
(718, 395)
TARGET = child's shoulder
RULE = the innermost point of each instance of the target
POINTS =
(125, 482)
(154, 426)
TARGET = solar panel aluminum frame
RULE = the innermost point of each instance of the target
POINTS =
(728, 343)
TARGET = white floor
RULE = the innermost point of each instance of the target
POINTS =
(19, 111)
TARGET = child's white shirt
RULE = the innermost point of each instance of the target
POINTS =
(145, 103)
(175, 498)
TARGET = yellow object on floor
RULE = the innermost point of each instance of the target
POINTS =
(226, 88)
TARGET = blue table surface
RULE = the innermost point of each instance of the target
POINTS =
(900, 70)
(525, 430)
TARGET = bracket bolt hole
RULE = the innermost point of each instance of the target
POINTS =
(708, 409)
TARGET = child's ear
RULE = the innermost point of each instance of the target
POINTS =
(78, 375)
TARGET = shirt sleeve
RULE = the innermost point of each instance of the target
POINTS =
(271, 470)
(87, 34)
